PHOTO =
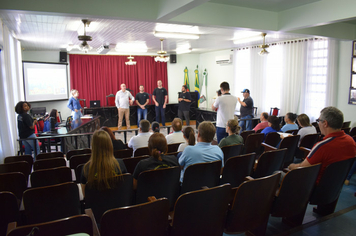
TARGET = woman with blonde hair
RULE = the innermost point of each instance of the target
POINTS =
(304, 122)
(232, 128)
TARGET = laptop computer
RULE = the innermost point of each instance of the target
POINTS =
(95, 103)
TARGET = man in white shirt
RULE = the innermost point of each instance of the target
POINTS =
(140, 140)
(177, 135)
(226, 105)
(123, 102)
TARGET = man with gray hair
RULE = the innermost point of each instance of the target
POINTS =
(335, 146)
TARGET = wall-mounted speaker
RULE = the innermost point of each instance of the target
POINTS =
(173, 58)
(63, 56)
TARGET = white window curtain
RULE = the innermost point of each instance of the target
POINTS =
(11, 91)
(285, 78)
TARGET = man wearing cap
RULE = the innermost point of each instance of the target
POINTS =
(246, 111)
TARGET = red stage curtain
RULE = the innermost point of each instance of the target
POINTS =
(96, 76)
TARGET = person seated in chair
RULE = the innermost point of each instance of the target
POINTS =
(232, 128)
(264, 122)
(273, 126)
(335, 146)
(290, 119)
(307, 128)
(51, 122)
(177, 135)
(141, 140)
(116, 143)
(155, 127)
(203, 151)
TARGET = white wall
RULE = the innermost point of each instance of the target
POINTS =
(349, 110)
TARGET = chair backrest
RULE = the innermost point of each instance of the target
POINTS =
(148, 218)
(40, 124)
(83, 103)
(291, 143)
(14, 182)
(346, 130)
(141, 151)
(53, 176)
(274, 111)
(294, 192)
(27, 158)
(353, 132)
(246, 133)
(68, 226)
(269, 162)
(119, 196)
(131, 162)
(9, 210)
(231, 151)
(199, 175)
(292, 131)
(309, 140)
(173, 154)
(49, 155)
(201, 212)
(331, 182)
(255, 111)
(237, 168)
(20, 166)
(272, 139)
(251, 211)
(51, 203)
(78, 172)
(253, 143)
(123, 153)
(76, 160)
(159, 183)
(173, 147)
(77, 152)
(110, 100)
(259, 131)
(49, 163)
(346, 124)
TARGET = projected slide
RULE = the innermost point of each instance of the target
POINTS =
(45, 81)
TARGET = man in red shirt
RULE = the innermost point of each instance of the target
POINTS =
(264, 122)
(335, 146)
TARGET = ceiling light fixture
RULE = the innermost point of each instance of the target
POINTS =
(263, 46)
(162, 54)
(85, 46)
(130, 62)
(175, 35)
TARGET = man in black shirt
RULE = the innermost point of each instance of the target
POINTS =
(246, 110)
(159, 96)
(184, 99)
(142, 99)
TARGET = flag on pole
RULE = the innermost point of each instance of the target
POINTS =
(203, 94)
(197, 89)
(186, 79)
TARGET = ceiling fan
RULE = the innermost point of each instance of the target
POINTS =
(84, 46)
(263, 46)
(162, 54)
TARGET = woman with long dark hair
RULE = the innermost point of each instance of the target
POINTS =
(273, 125)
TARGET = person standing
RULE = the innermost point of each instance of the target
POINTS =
(123, 102)
(142, 99)
(159, 97)
(225, 104)
(74, 105)
(185, 100)
(246, 110)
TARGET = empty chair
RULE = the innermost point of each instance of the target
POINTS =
(293, 195)
(49, 163)
(173, 147)
(274, 111)
(346, 124)
(148, 218)
(201, 212)
(346, 130)
(272, 139)
(159, 183)
(199, 175)
(51, 202)
(27, 158)
(76, 160)
(353, 132)
(253, 143)
(110, 100)
(246, 133)
(131, 162)
(326, 193)
(14, 182)
(21, 166)
(71, 225)
(251, 206)
(123, 153)
(141, 151)
(77, 152)
(102, 200)
(237, 168)
(269, 162)
(49, 155)
(9, 210)
(291, 143)
(231, 151)
(46, 177)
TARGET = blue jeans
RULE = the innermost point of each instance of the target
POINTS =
(30, 145)
(141, 112)
(353, 169)
(221, 133)
(76, 115)
(160, 111)
(246, 124)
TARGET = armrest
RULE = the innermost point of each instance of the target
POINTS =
(90, 213)
(268, 147)
(204, 187)
(11, 226)
(248, 178)
(151, 199)
(305, 151)
(286, 170)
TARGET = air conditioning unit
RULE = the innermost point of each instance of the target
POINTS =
(224, 60)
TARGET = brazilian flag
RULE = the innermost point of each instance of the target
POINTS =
(197, 89)
(186, 79)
